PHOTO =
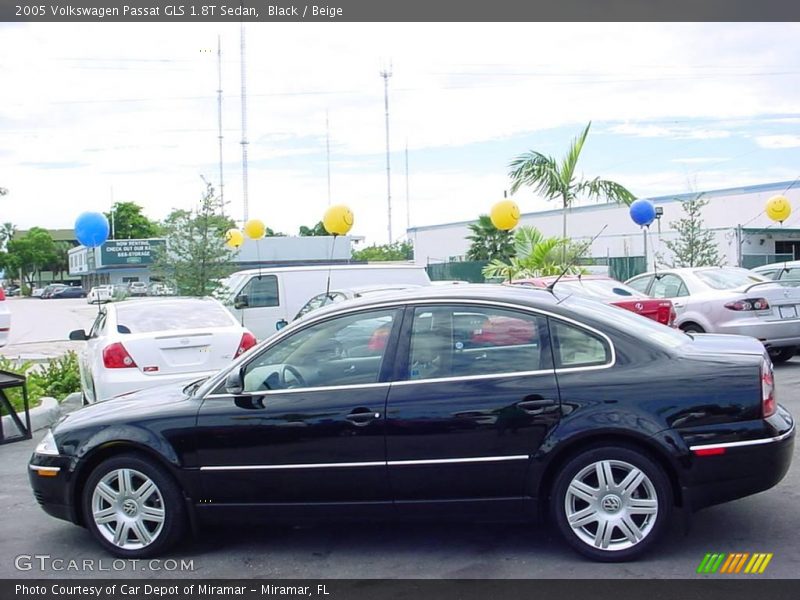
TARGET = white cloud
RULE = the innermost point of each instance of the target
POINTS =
(778, 142)
(699, 160)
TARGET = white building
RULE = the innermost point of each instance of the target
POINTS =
(745, 235)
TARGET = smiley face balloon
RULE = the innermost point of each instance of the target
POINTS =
(234, 238)
(778, 208)
(338, 220)
(505, 215)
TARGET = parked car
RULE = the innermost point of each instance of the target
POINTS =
(70, 291)
(48, 290)
(781, 271)
(13, 290)
(5, 319)
(37, 292)
(265, 299)
(610, 291)
(137, 288)
(137, 345)
(100, 293)
(334, 296)
(730, 300)
(604, 423)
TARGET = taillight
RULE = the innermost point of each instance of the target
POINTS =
(2, 294)
(666, 314)
(116, 357)
(748, 304)
(768, 404)
(248, 341)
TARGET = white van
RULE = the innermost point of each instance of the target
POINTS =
(265, 299)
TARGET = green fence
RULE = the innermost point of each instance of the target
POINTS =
(461, 271)
(623, 268)
(750, 261)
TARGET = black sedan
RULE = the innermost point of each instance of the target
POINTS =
(69, 292)
(465, 402)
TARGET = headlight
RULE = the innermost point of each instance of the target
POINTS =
(47, 445)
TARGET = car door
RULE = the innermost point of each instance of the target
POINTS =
(258, 305)
(92, 355)
(473, 398)
(671, 287)
(308, 427)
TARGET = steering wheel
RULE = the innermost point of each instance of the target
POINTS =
(298, 378)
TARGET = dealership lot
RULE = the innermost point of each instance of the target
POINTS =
(763, 523)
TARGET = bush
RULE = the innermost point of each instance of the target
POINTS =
(58, 378)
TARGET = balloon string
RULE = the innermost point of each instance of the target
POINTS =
(330, 267)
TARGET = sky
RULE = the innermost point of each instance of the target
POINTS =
(100, 112)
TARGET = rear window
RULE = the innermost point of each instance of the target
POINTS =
(147, 317)
(728, 279)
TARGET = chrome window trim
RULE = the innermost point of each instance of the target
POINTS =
(745, 443)
(380, 463)
(46, 469)
(399, 305)
(474, 377)
(319, 388)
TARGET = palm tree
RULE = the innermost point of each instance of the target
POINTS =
(488, 242)
(7, 231)
(535, 256)
(556, 180)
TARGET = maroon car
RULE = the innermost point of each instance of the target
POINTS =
(609, 291)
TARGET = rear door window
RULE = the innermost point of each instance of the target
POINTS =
(262, 291)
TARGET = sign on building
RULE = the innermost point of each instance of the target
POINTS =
(129, 252)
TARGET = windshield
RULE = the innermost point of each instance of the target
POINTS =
(605, 289)
(728, 279)
(631, 323)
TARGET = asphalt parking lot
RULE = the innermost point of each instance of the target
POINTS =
(767, 522)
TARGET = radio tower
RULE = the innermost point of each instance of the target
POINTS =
(219, 120)
(386, 74)
(244, 127)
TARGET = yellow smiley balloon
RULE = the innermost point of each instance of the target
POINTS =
(778, 208)
(505, 215)
(255, 229)
(234, 238)
(338, 220)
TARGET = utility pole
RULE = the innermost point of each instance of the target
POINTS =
(328, 153)
(408, 201)
(219, 120)
(244, 128)
(386, 74)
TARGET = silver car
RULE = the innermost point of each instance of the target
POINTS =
(782, 271)
(730, 300)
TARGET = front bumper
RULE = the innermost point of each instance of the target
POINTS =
(51, 481)
(744, 468)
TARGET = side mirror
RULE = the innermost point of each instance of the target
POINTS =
(234, 383)
(79, 335)
(241, 301)
(281, 324)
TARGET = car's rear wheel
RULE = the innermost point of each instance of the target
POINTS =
(611, 503)
(781, 355)
(133, 507)
(692, 328)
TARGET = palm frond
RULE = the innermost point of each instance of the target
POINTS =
(603, 188)
(538, 171)
(570, 161)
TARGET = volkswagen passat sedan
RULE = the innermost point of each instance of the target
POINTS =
(603, 423)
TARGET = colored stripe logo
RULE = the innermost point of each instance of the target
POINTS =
(737, 562)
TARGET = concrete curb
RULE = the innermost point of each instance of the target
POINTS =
(44, 415)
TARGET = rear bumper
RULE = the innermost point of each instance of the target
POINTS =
(745, 468)
(775, 334)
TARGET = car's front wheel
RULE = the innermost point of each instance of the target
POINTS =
(611, 503)
(781, 355)
(133, 507)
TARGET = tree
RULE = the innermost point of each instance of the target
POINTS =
(29, 254)
(7, 231)
(60, 259)
(487, 242)
(196, 257)
(130, 223)
(695, 246)
(536, 256)
(385, 252)
(318, 229)
(558, 181)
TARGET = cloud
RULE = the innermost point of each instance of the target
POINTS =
(778, 142)
(699, 160)
(659, 131)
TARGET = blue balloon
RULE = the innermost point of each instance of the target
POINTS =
(643, 212)
(91, 229)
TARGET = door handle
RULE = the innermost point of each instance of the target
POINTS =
(536, 406)
(362, 416)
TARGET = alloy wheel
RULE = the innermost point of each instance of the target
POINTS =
(611, 505)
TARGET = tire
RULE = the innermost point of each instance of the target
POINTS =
(692, 328)
(647, 506)
(133, 527)
(781, 355)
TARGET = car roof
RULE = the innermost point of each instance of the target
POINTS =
(778, 265)
(335, 267)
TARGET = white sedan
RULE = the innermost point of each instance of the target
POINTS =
(100, 293)
(5, 319)
(137, 345)
(730, 300)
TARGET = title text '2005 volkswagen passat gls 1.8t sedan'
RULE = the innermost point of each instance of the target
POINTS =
(474, 402)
